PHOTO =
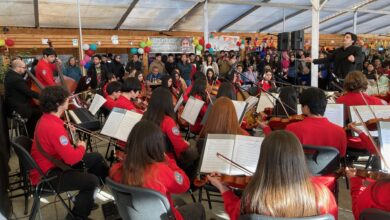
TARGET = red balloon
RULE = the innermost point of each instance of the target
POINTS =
(201, 41)
(90, 52)
(9, 42)
(208, 45)
(238, 43)
(147, 49)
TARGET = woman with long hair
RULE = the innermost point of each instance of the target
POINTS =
(179, 84)
(226, 89)
(288, 95)
(210, 64)
(281, 186)
(72, 70)
(146, 165)
(199, 92)
(222, 119)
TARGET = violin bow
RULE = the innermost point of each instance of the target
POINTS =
(369, 106)
(72, 134)
(236, 165)
(371, 139)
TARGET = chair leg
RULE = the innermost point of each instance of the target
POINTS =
(108, 149)
(25, 203)
(35, 206)
(192, 195)
(208, 198)
(200, 194)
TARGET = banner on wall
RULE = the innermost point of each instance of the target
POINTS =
(172, 45)
(225, 43)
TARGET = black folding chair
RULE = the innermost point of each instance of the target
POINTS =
(139, 203)
(44, 188)
(374, 214)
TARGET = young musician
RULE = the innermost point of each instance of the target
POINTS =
(266, 84)
(113, 90)
(288, 95)
(53, 152)
(226, 89)
(375, 195)
(281, 186)
(46, 67)
(130, 90)
(111, 78)
(212, 78)
(222, 119)
(146, 165)
(199, 92)
(355, 84)
(197, 75)
(180, 84)
(18, 96)
(167, 81)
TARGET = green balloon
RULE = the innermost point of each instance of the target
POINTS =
(142, 44)
(199, 47)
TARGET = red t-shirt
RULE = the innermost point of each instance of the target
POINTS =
(172, 131)
(362, 197)
(232, 203)
(54, 140)
(105, 94)
(44, 73)
(124, 103)
(164, 177)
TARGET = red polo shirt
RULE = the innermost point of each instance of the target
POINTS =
(172, 131)
(44, 73)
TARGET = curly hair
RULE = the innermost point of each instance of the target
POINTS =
(52, 97)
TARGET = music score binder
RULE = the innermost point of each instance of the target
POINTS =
(192, 110)
(119, 123)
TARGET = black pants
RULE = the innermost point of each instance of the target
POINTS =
(85, 182)
(32, 121)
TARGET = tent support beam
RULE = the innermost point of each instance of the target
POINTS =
(126, 14)
(188, 13)
(36, 13)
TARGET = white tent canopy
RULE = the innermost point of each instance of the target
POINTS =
(336, 16)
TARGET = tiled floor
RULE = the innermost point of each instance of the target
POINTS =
(57, 211)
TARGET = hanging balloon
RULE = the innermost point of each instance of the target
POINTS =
(87, 65)
(199, 47)
(9, 42)
(82, 63)
(196, 41)
(238, 43)
(93, 47)
(85, 46)
(211, 36)
(90, 52)
(208, 45)
(140, 50)
(147, 49)
(133, 51)
(2, 43)
(149, 43)
(142, 44)
(87, 58)
(242, 47)
(211, 50)
(201, 42)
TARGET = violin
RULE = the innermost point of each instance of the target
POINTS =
(253, 118)
(278, 123)
(372, 124)
(238, 182)
(375, 175)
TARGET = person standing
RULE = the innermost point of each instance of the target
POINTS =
(158, 63)
(135, 63)
(98, 72)
(46, 67)
(72, 70)
(185, 69)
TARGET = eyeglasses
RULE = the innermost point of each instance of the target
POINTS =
(24, 67)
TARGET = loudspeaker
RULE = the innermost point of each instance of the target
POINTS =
(283, 41)
(297, 38)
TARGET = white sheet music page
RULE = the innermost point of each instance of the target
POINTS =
(240, 107)
(333, 112)
(178, 103)
(246, 153)
(381, 111)
(126, 125)
(192, 110)
(266, 101)
(217, 143)
(384, 138)
(97, 102)
(112, 123)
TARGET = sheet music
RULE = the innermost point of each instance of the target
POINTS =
(252, 101)
(333, 112)
(74, 117)
(111, 125)
(381, 111)
(126, 125)
(178, 103)
(266, 101)
(217, 143)
(97, 102)
(192, 110)
(246, 153)
(384, 139)
(240, 107)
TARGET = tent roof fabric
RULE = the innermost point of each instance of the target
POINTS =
(373, 16)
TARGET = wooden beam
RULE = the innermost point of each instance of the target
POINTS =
(126, 14)
(281, 20)
(254, 8)
(36, 13)
(188, 13)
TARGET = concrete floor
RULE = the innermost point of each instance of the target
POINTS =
(57, 211)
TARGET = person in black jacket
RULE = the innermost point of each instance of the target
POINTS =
(18, 95)
(97, 72)
(346, 58)
(135, 63)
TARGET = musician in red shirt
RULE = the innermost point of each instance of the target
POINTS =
(113, 91)
(374, 195)
(46, 67)
(55, 155)
(111, 78)
(281, 186)
(199, 92)
(146, 165)
(130, 90)
(266, 84)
